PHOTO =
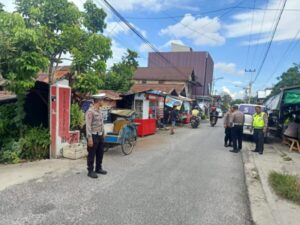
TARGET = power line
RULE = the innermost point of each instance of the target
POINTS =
(201, 33)
(291, 47)
(250, 36)
(270, 43)
(131, 27)
(209, 12)
(260, 31)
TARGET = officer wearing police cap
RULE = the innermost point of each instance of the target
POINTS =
(95, 136)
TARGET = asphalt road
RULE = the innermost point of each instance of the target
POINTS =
(188, 179)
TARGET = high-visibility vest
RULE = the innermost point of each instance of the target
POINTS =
(258, 120)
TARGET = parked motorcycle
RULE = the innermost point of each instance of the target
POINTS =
(213, 120)
(195, 121)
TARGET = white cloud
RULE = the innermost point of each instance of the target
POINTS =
(228, 68)
(115, 28)
(149, 5)
(234, 95)
(168, 44)
(287, 28)
(238, 83)
(118, 52)
(145, 48)
(202, 31)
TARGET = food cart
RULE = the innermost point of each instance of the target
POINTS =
(149, 108)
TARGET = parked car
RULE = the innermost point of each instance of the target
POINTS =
(248, 110)
(220, 115)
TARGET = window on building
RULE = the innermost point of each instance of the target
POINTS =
(161, 82)
(144, 82)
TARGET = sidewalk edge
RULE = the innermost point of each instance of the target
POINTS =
(260, 211)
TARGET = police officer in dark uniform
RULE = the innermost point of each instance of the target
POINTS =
(95, 137)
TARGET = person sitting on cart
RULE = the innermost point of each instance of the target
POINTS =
(95, 136)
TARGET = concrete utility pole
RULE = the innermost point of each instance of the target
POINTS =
(252, 71)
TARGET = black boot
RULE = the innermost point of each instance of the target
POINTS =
(101, 171)
(92, 174)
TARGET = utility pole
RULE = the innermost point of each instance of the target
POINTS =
(251, 71)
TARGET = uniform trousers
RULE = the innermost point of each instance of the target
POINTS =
(95, 152)
(227, 139)
(237, 137)
(258, 136)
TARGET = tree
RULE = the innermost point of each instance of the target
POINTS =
(289, 78)
(64, 28)
(121, 74)
(238, 101)
(1, 7)
(226, 99)
(21, 58)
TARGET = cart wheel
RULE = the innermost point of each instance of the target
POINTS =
(127, 146)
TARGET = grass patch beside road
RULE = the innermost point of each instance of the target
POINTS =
(286, 186)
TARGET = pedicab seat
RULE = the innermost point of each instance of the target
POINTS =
(118, 126)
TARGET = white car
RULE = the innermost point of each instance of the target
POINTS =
(220, 113)
(248, 110)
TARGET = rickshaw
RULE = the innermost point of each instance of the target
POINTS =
(122, 132)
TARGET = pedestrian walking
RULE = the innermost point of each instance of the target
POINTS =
(173, 118)
(95, 137)
(237, 122)
(259, 125)
(227, 126)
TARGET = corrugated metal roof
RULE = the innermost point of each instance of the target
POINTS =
(6, 95)
(113, 95)
(201, 62)
(167, 88)
(61, 72)
(163, 73)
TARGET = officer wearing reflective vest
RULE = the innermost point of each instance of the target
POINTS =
(259, 125)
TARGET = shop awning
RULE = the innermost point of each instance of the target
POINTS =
(292, 97)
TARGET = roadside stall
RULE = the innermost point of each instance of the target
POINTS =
(149, 108)
(186, 109)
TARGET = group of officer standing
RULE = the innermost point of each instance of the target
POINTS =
(234, 121)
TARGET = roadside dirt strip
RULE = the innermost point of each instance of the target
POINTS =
(265, 206)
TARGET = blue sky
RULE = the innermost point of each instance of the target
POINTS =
(235, 34)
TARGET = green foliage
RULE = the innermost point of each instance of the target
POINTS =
(237, 101)
(8, 128)
(88, 83)
(1, 7)
(226, 100)
(121, 74)
(35, 144)
(204, 117)
(289, 78)
(77, 117)
(11, 152)
(94, 17)
(21, 58)
(286, 186)
(63, 28)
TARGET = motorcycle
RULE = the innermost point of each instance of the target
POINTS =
(213, 120)
(195, 121)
